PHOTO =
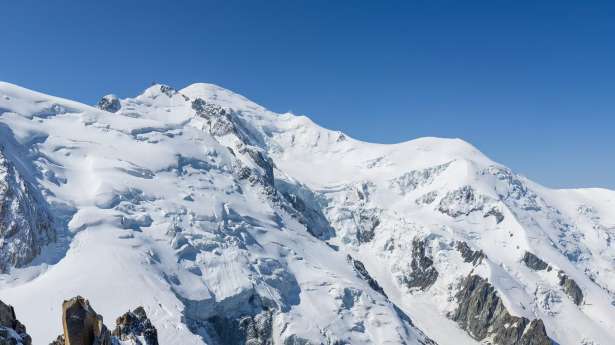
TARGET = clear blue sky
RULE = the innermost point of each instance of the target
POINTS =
(530, 83)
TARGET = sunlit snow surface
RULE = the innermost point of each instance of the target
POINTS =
(151, 212)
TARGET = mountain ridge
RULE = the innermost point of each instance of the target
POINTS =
(231, 212)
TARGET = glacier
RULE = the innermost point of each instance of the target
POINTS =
(232, 224)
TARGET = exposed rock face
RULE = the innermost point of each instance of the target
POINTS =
(469, 255)
(461, 202)
(12, 332)
(313, 219)
(167, 90)
(534, 262)
(367, 222)
(239, 320)
(109, 103)
(571, 288)
(427, 198)
(135, 324)
(59, 340)
(25, 223)
(423, 274)
(248, 330)
(82, 326)
(362, 272)
(218, 118)
(262, 160)
(535, 334)
(482, 314)
(495, 212)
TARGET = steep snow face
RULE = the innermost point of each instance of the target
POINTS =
(234, 224)
(169, 202)
(443, 195)
(384, 200)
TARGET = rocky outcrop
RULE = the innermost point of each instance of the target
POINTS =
(245, 330)
(135, 325)
(471, 256)
(423, 274)
(83, 326)
(483, 315)
(534, 262)
(246, 318)
(367, 221)
(313, 219)
(427, 198)
(26, 225)
(461, 202)
(59, 340)
(571, 288)
(362, 272)
(109, 103)
(167, 90)
(496, 213)
(261, 160)
(218, 118)
(12, 332)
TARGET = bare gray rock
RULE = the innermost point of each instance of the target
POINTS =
(469, 255)
(82, 325)
(367, 221)
(218, 118)
(135, 324)
(571, 288)
(167, 90)
(314, 220)
(423, 273)
(534, 262)
(245, 330)
(362, 272)
(482, 314)
(495, 212)
(109, 103)
(12, 332)
(461, 202)
(26, 225)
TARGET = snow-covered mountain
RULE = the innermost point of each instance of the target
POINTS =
(231, 224)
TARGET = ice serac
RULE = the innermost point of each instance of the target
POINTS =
(232, 224)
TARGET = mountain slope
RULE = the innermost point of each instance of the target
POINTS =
(160, 213)
(233, 224)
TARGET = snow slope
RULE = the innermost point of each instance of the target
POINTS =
(213, 212)
(159, 213)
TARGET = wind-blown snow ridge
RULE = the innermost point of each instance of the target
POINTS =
(232, 224)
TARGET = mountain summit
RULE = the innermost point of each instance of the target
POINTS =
(231, 224)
